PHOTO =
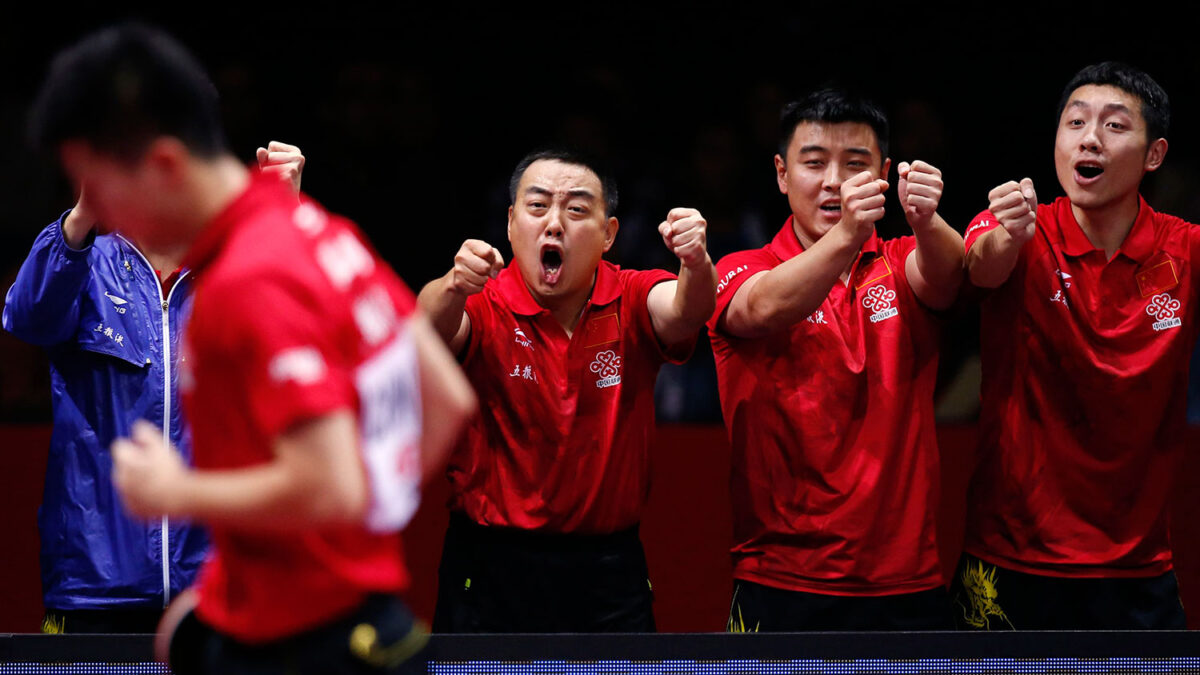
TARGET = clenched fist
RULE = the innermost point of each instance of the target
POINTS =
(284, 160)
(685, 233)
(862, 203)
(920, 190)
(146, 471)
(475, 263)
(1015, 207)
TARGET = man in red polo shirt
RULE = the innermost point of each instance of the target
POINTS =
(310, 384)
(563, 349)
(1087, 337)
(826, 349)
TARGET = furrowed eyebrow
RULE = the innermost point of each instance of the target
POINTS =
(581, 192)
(813, 148)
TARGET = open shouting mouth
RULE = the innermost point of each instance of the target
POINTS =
(552, 262)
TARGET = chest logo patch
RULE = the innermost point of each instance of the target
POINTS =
(878, 300)
(1163, 308)
(521, 339)
(607, 367)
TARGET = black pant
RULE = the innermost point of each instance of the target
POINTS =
(758, 608)
(504, 580)
(380, 636)
(990, 597)
(101, 620)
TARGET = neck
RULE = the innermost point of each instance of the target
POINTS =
(1107, 226)
(209, 186)
(568, 309)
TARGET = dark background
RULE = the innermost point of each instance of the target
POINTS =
(412, 117)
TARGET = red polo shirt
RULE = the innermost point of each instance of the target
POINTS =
(562, 441)
(835, 476)
(1085, 364)
(294, 317)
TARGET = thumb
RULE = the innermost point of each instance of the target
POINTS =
(1029, 193)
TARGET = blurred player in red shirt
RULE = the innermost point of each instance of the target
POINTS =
(563, 349)
(826, 345)
(1086, 340)
(317, 397)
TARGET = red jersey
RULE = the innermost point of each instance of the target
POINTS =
(562, 440)
(293, 318)
(1085, 364)
(835, 477)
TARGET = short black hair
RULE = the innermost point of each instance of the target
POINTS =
(1156, 107)
(833, 105)
(607, 183)
(120, 88)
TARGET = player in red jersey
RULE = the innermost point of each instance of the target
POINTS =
(826, 350)
(563, 349)
(1086, 340)
(317, 397)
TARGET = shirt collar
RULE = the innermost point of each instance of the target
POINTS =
(1138, 244)
(511, 286)
(786, 245)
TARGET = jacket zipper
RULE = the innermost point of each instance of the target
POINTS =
(165, 303)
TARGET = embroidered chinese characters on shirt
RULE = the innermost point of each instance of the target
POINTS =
(878, 300)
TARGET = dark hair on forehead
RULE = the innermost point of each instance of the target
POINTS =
(1156, 107)
(833, 105)
(607, 183)
(120, 88)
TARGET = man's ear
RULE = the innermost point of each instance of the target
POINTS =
(610, 233)
(1155, 154)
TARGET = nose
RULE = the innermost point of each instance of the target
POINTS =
(832, 181)
(1090, 139)
(554, 223)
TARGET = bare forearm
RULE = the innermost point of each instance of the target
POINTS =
(696, 294)
(447, 399)
(992, 258)
(795, 289)
(315, 478)
(444, 306)
(76, 227)
(939, 260)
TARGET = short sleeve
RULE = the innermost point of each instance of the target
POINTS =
(980, 224)
(732, 271)
(635, 291)
(285, 346)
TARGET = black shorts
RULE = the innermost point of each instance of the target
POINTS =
(380, 636)
(504, 580)
(990, 597)
(757, 608)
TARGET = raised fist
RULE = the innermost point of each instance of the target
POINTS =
(283, 160)
(1015, 207)
(920, 190)
(685, 233)
(475, 263)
